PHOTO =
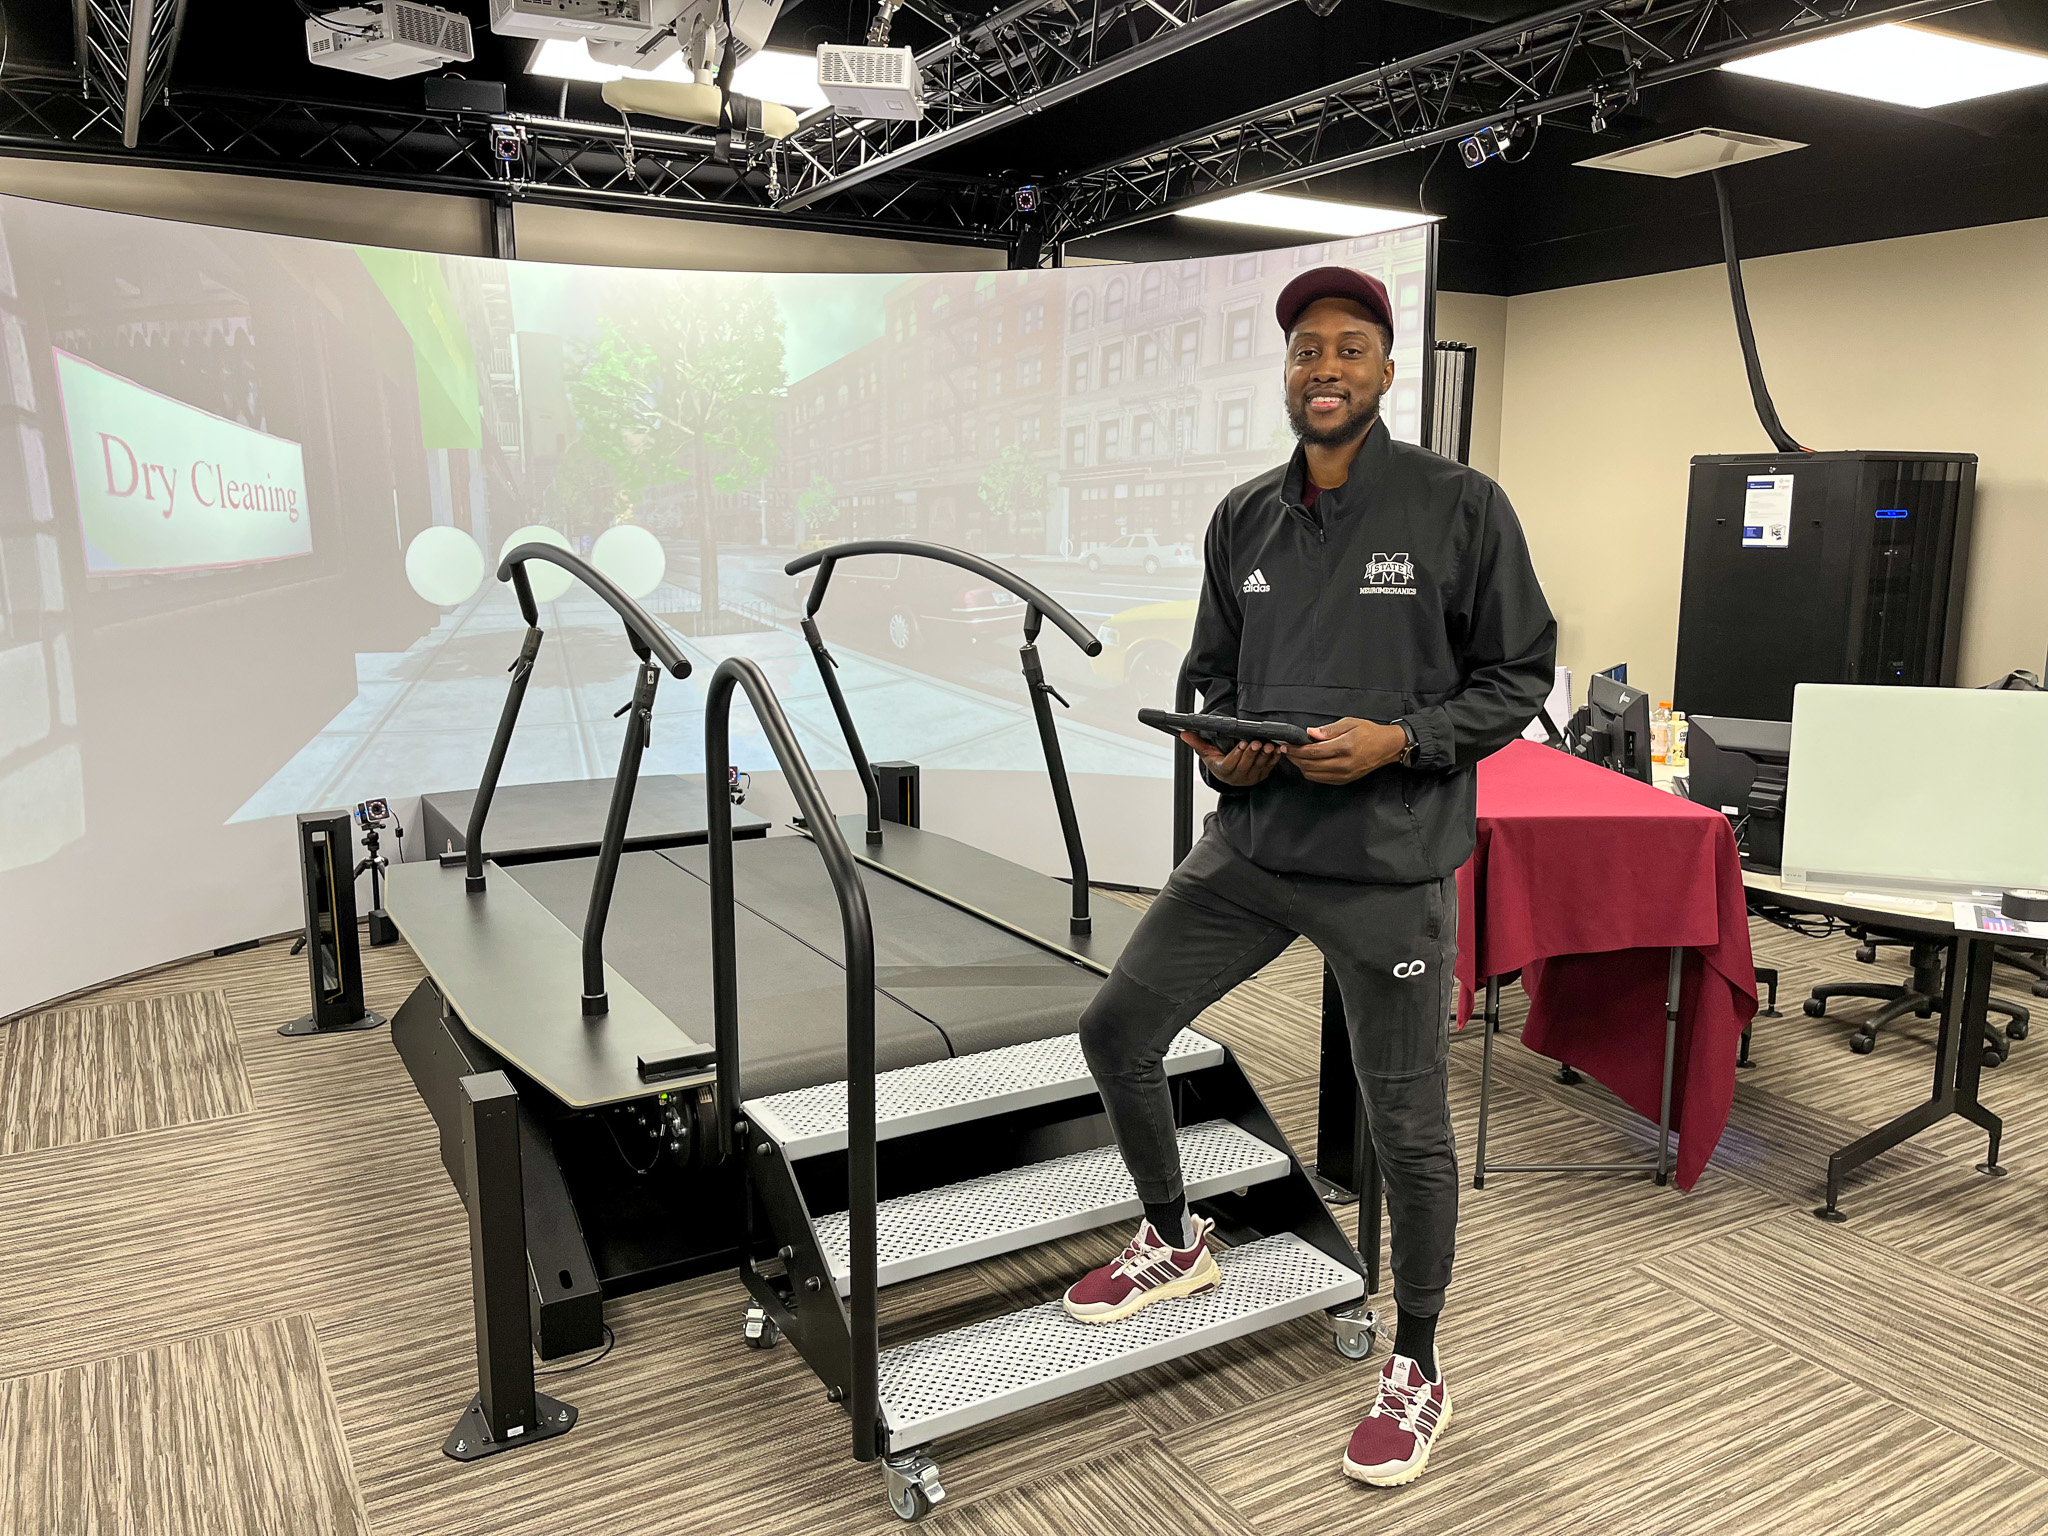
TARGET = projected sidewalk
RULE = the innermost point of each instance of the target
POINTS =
(422, 718)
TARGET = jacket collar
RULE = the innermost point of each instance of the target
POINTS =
(1366, 469)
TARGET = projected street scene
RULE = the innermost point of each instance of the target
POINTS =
(260, 487)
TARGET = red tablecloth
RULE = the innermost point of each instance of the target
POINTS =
(1583, 880)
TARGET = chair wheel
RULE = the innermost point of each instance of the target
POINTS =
(2040, 989)
(2017, 1029)
(1815, 1008)
(1862, 1044)
(1993, 1056)
(1867, 953)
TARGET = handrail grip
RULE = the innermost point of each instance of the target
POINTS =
(858, 936)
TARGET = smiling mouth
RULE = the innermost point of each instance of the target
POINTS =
(1327, 402)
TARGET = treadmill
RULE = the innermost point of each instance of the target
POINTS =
(833, 1062)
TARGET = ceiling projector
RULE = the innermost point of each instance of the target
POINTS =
(871, 82)
(611, 21)
(389, 39)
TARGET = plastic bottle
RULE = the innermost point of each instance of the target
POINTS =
(1675, 754)
(1660, 731)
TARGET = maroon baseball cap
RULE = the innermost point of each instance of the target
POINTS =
(1369, 293)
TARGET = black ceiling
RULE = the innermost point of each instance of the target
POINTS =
(1870, 172)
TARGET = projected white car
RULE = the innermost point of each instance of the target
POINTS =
(1143, 552)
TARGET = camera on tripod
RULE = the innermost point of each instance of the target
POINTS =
(372, 816)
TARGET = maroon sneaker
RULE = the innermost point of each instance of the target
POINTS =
(1391, 1446)
(1145, 1272)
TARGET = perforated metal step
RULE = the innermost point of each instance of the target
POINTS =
(808, 1121)
(953, 1381)
(937, 1229)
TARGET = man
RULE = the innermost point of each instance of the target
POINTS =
(1382, 597)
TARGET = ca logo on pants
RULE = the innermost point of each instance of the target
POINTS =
(1408, 968)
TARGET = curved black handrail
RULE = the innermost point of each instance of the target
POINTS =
(650, 643)
(1038, 606)
(858, 935)
(640, 624)
(1009, 581)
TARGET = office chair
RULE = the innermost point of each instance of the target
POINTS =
(1921, 995)
(2029, 961)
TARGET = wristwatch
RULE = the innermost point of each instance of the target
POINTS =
(1407, 757)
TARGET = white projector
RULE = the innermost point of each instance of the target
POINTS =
(389, 39)
(611, 21)
(671, 26)
(871, 82)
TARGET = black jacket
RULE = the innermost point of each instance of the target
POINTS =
(1407, 592)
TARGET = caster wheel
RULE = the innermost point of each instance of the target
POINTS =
(1355, 1346)
(1814, 1008)
(1867, 953)
(1863, 1045)
(910, 1503)
(759, 1330)
(2017, 1029)
(1993, 1056)
(2040, 989)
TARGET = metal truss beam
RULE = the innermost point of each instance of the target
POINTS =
(125, 49)
(1597, 55)
(1021, 59)
(515, 155)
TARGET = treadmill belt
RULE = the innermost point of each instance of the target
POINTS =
(792, 999)
(983, 986)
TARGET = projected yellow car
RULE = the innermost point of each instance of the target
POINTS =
(1142, 649)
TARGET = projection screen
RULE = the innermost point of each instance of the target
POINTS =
(254, 489)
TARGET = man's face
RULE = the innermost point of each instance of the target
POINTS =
(1337, 369)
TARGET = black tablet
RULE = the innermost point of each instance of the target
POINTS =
(1224, 727)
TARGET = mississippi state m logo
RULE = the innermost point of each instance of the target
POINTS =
(1390, 575)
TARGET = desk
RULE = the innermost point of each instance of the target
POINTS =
(1585, 882)
(1958, 1058)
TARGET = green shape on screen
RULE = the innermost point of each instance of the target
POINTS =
(412, 283)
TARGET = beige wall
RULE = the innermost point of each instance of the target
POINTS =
(1934, 342)
(1480, 320)
(423, 221)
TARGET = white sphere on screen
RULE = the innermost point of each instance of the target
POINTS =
(444, 566)
(632, 557)
(549, 581)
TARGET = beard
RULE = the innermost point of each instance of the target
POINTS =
(1354, 425)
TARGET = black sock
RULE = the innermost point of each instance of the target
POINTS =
(1170, 1220)
(1415, 1337)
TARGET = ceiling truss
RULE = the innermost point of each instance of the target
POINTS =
(1580, 58)
(124, 51)
(1021, 59)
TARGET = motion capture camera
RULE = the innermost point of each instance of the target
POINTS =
(1027, 198)
(1496, 141)
(374, 813)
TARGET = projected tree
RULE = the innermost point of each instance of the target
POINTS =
(680, 385)
(1014, 491)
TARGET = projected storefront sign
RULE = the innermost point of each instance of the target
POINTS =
(165, 486)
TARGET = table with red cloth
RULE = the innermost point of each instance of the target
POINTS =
(1584, 880)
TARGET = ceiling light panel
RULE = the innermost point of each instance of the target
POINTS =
(774, 74)
(1309, 215)
(1906, 66)
(1687, 154)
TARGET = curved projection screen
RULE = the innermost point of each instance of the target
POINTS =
(254, 489)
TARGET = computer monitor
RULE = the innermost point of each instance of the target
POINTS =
(1616, 729)
(1739, 767)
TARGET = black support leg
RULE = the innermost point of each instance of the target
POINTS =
(506, 1412)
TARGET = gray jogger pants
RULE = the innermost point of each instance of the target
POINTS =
(1392, 947)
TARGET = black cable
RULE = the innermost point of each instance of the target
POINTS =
(1805, 927)
(620, 1148)
(1423, 185)
(563, 1370)
(1759, 392)
(344, 28)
